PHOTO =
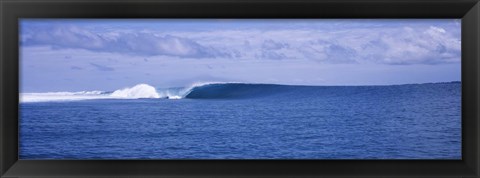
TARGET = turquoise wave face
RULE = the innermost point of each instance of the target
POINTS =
(238, 90)
(245, 90)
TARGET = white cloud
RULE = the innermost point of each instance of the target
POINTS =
(415, 44)
(132, 43)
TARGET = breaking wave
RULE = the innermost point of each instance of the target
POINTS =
(210, 90)
(140, 91)
(136, 92)
(238, 90)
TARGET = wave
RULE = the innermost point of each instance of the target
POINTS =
(208, 90)
(237, 90)
(135, 92)
(140, 91)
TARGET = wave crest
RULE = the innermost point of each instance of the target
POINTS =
(136, 92)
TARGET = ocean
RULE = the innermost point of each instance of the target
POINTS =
(244, 121)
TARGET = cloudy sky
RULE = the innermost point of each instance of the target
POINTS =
(88, 54)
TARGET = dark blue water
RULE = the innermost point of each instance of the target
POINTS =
(246, 121)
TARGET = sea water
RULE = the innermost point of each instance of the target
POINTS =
(245, 121)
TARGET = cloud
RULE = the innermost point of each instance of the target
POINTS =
(150, 44)
(392, 44)
(340, 54)
(64, 37)
(268, 54)
(76, 68)
(133, 43)
(412, 46)
(329, 52)
(102, 67)
(405, 44)
(396, 46)
(271, 49)
(272, 45)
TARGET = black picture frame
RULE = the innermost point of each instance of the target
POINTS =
(12, 10)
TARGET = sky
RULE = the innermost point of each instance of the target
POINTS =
(109, 54)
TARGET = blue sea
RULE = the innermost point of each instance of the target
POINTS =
(245, 121)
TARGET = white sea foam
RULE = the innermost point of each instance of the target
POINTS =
(138, 91)
(62, 96)
(135, 92)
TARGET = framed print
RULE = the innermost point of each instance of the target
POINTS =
(223, 88)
